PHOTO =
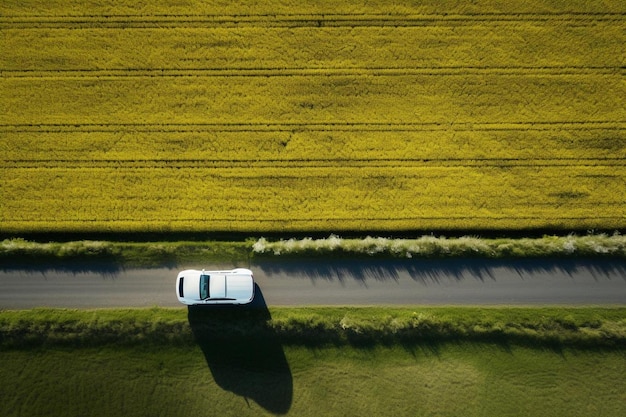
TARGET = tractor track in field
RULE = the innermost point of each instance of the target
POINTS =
(192, 72)
(126, 21)
(315, 127)
(252, 223)
(204, 163)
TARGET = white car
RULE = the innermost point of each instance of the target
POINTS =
(195, 287)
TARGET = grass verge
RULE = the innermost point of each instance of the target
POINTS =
(131, 254)
(553, 327)
(154, 254)
(66, 369)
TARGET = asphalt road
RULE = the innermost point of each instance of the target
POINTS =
(337, 282)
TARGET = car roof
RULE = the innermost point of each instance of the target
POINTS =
(235, 285)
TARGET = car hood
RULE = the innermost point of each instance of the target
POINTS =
(191, 285)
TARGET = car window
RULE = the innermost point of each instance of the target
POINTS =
(204, 286)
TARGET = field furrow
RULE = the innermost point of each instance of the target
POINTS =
(275, 20)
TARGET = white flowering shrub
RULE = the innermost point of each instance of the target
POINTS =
(432, 246)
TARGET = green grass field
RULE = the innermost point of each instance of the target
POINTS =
(170, 362)
(324, 116)
(457, 380)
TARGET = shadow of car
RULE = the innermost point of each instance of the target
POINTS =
(242, 355)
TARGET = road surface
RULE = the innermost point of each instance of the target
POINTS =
(335, 282)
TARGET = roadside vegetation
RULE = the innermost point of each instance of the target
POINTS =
(321, 326)
(19, 252)
(166, 362)
(442, 247)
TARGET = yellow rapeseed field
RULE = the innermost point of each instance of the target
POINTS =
(312, 116)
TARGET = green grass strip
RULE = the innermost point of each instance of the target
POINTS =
(132, 254)
(317, 326)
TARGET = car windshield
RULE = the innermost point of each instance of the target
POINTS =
(204, 286)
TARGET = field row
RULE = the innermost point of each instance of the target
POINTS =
(274, 198)
(315, 99)
(320, 7)
(558, 45)
(576, 145)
